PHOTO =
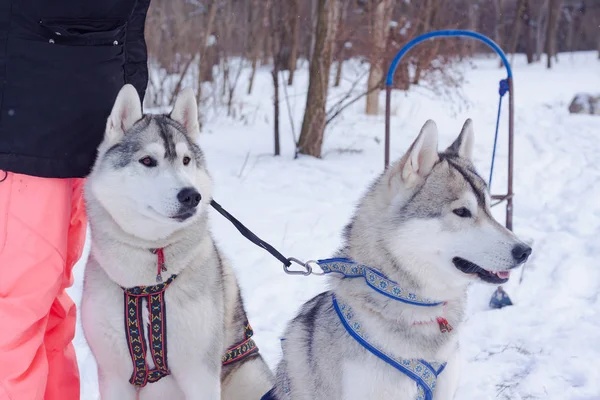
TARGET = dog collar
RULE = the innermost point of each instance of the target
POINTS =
(160, 265)
(376, 280)
(442, 322)
(424, 373)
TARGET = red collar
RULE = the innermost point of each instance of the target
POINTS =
(442, 322)
(160, 265)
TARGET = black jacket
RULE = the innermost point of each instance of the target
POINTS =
(62, 63)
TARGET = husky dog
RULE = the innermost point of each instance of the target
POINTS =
(424, 224)
(147, 200)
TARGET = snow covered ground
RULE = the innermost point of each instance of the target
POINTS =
(545, 347)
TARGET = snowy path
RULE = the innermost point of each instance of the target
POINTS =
(546, 346)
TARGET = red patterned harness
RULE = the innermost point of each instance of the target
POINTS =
(242, 350)
(134, 330)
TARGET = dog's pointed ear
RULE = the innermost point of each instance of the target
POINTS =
(126, 111)
(185, 111)
(463, 145)
(420, 158)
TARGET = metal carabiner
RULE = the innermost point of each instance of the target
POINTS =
(307, 268)
(315, 268)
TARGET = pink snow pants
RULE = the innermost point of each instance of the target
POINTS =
(42, 233)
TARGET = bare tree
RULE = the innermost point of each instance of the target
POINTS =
(195, 42)
(595, 22)
(529, 32)
(553, 16)
(313, 15)
(570, 16)
(379, 33)
(499, 25)
(429, 14)
(276, 36)
(260, 22)
(474, 11)
(203, 63)
(342, 37)
(542, 27)
(515, 30)
(313, 125)
(295, 26)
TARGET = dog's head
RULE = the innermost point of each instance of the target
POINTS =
(437, 214)
(150, 174)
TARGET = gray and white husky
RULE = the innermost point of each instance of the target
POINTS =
(425, 225)
(149, 189)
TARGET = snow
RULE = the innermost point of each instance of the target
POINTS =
(545, 346)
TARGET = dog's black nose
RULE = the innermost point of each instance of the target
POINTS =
(189, 197)
(521, 253)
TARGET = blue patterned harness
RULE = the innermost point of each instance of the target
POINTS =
(376, 280)
(424, 373)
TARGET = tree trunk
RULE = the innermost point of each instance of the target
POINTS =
(515, 31)
(529, 33)
(276, 105)
(474, 10)
(381, 18)
(259, 33)
(255, 49)
(295, 24)
(596, 22)
(570, 29)
(427, 20)
(252, 73)
(553, 16)
(499, 26)
(203, 61)
(313, 124)
(338, 71)
(341, 52)
(313, 31)
(225, 74)
(542, 23)
(276, 27)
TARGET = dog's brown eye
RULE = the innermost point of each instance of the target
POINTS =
(186, 160)
(148, 161)
(462, 212)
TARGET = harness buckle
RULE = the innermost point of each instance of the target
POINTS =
(307, 268)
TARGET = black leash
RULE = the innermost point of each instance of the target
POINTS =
(248, 234)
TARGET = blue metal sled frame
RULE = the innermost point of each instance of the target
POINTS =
(508, 197)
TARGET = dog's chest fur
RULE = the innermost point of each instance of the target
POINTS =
(402, 330)
(366, 379)
(194, 302)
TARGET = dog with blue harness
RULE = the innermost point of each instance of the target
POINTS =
(388, 327)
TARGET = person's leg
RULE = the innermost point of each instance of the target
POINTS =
(63, 375)
(35, 216)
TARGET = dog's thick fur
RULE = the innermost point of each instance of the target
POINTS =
(133, 208)
(415, 220)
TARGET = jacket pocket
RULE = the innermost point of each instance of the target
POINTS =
(84, 32)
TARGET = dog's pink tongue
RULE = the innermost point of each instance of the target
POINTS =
(503, 274)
